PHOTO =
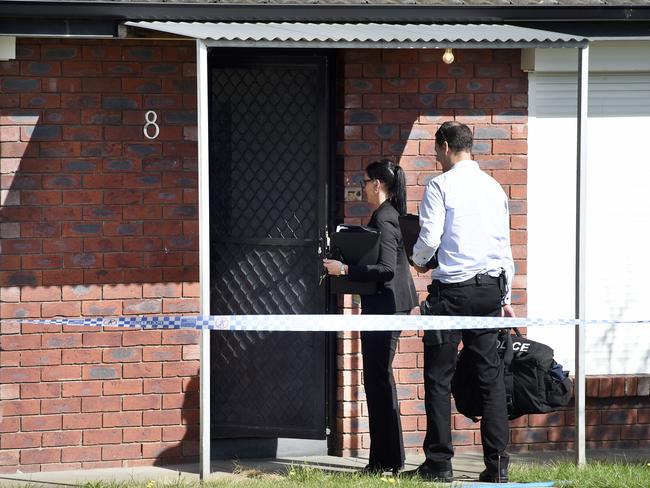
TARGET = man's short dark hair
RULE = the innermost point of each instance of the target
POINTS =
(458, 136)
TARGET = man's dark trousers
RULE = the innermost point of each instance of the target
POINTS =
(440, 352)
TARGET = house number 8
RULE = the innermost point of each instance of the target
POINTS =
(150, 121)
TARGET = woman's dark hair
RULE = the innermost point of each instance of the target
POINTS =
(393, 176)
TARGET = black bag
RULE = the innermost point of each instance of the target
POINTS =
(534, 382)
(354, 244)
(409, 225)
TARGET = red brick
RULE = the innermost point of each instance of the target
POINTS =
(163, 385)
(82, 421)
(82, 389)
(122, 355)
(122, 452)
(180, 400)
(17, 407)
(143, 434)
(39, 358)
(61, 439)
(11, 358)
(41, 390)
(101, 404)
(184, 368)
(40, 456)
(180, 337)
(141, 402)
(84, 453)
(191, 352)
(163, 353)
(635, 432)
(631, 384)
(41, 261)
(141, 337)
(627, 416)
(162, 290)
(62, 277)
(412, 407)
(81, 292)
(66, 405)
(61, 309)
(122, 291)
(529, 435)
(81, 356)
(122, 419)
(555, 418)
(95, 339)
(40, 422)
(101, 372)
(181, 305)
(59, 373)
(191, 290)
(9, 457)
(41, 294)
(19, 342)
(61, 341)
(9, 424)
(161, 417)
(603, 432)
(102, 436)
(21, 440)
(605, 387)
(20, 375)
(123, 387)
(19, 310)
(142, 370)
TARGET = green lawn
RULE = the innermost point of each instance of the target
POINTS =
(565, 475)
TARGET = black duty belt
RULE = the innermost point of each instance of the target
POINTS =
(478, 280)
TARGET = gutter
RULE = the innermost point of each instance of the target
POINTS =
(124, 11)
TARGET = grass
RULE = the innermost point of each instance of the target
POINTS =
(565, 475)
(597, 474)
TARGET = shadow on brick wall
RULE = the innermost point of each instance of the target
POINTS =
(91, 210)
(97, 220)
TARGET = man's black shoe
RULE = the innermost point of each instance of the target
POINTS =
(427, 473)
(487, 476)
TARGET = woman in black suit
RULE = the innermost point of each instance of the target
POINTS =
(385, 188)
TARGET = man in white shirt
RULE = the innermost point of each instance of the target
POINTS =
(465, 224)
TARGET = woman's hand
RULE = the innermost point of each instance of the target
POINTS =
(333, 267)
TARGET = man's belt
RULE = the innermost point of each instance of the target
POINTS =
(477, 280)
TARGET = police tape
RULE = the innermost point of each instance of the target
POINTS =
(318, 323)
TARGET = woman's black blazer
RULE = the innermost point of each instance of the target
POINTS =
(396, 291)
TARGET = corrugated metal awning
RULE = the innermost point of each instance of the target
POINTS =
(349, 35)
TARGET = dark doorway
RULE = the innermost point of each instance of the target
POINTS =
(269, 173)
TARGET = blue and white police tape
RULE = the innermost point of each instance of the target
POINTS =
(318, 323)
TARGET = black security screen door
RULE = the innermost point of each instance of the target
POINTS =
(268, 173)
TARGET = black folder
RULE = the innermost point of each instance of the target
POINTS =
(409, 224)
(354, 244)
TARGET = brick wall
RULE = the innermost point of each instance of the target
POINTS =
(97, 220)
(391, 105)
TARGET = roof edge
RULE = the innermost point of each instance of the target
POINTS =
(121, 11)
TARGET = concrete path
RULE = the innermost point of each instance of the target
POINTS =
(466, 468)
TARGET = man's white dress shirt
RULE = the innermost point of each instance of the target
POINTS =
(464, 215)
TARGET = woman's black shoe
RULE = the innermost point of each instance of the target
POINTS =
(378, 469)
